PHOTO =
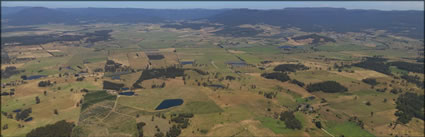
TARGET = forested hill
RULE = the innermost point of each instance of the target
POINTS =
(406, 23)
(40, 15)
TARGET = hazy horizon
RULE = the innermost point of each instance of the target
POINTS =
(365, 5)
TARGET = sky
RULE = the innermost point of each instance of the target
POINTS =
(378, 5)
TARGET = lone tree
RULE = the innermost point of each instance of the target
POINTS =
(37, 100)
(56, 112)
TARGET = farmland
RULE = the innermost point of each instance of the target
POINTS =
(223, 82)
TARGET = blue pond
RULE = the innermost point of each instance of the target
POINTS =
(129, 93)
(35, 77)
(115, 77)
(287, 47)
(186, 62)
(28, 119)
(125, 88)
(169, 103)
(17, 110)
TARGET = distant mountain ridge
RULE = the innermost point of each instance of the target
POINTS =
(406, 23)
(329, 19)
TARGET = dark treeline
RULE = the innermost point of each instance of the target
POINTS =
(44, 83)
(59, 129)
(230, 78)
(299, 83)
(43, 39)
(155, 57)
(290, 67)
(411, 67)
(409, 105)
(198, 71)
(112, 66)
(276, 75)
(170, 72)
(140, 126)
(112, 86)
(370, 81)
(238, 32)
(290, 121)
(183, 25)
(414, 79)
(3, 30)
(316, 38)
(375, 63)
(10, 71)
(96, 36)
(327, 86)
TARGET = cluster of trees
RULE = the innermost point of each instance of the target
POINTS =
(159, 86)
(198, 71)
(409, 105)
(396, 91)
(101, 35)
(140, 126)
(44, 83)
(170, 72)
(357, 121)
(290, 121)
(370, 81)
(24, 114)
(276, 75)
(112, 66)
(40, 39)
(270, 95)
(112, 86)
(316, 38)
(230, 78)
(182, 121)
(375, 63)
(238, 32)
(80, 79)
(290, 67)
(58, 129)
(411, 67)
(299, 83)
(43, 39)
(10, 71)
(327, 86)
(414, 79)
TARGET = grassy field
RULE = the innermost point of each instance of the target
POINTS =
(238, 109)
(348, 129)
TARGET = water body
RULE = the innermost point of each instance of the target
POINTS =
(129, 93)
(237, 63)
(17, 110)
(186, 62)
(169, 103)
(35, 77)
(115, 77)
(287, 47)
(216, 86)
